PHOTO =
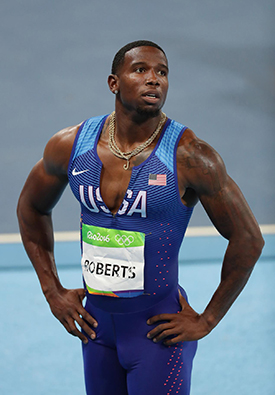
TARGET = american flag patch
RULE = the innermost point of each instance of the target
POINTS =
(157, 179)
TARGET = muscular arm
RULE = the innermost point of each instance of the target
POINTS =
(39, 195)
(201, 170)
(232, 217)
(42, 190)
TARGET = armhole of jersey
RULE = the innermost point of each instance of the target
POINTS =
(175, 167)
(74, 145)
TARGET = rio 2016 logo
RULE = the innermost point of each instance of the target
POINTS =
(98, 237)
(124, 240)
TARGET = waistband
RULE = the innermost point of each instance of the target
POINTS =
(130, 305)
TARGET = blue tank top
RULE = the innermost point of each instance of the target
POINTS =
(151, 205)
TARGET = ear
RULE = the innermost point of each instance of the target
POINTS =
(113, 82)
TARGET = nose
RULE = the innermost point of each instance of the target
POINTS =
(152, 78)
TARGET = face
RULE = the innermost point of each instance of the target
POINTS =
(142, 80)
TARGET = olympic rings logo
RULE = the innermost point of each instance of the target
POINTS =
(124, 240)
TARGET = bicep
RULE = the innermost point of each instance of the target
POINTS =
(42, 191)
(48, 178)
(220, 196)
(228, 209)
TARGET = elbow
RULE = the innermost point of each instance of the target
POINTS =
(19, 208)
(260, 244)
(22, 206)
(22, 213)
(248, 245)
(22, 209)
(256, 244)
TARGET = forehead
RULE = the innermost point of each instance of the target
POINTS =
(144, 55)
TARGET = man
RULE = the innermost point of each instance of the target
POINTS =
(137, 175)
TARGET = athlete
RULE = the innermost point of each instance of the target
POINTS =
(137, 175)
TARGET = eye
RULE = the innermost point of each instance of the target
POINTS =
(140, 70)
(163, 73)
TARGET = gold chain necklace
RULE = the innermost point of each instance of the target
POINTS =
(128, 155)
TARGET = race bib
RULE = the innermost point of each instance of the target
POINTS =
(113, 261)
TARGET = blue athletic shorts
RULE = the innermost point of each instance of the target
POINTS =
(123, 361)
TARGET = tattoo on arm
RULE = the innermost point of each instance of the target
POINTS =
(203, 167)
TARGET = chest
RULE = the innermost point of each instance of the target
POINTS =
(115, 180)
(101, 184)
(146, 189)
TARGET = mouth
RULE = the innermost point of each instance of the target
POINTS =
(151, 97)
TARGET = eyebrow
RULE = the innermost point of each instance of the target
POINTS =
(135, 64)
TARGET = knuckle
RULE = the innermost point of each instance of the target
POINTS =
(163, 327)
(156, 318)
(86, 316)
(87, 329)
(72, 331)
(68, 312)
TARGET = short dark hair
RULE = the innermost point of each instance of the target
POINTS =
(120, 55)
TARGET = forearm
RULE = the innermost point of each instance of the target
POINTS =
(37, 235)
(238, 264)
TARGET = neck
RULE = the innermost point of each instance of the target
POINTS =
(127, 155)
(133, 129)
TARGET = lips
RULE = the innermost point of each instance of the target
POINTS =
(151, 96)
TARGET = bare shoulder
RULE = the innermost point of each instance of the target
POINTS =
(58, 150)
(200, 166)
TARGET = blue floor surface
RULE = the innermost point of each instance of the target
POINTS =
(38, 357)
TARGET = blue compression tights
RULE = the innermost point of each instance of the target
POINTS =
(123, 361)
